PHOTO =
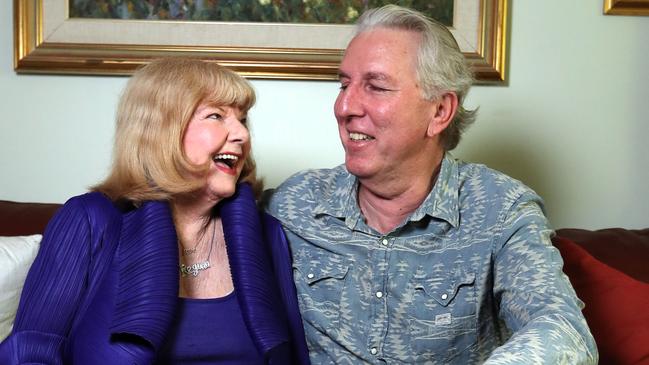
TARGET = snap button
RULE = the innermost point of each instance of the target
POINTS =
(379, 294)
(384, 242)
(311, 276)
(444, 296)
(373, 350)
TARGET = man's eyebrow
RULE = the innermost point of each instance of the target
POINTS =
(379, 76)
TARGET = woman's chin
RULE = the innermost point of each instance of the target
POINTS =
(222, 192)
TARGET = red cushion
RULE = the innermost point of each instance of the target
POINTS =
(625, 250)
(617, 305)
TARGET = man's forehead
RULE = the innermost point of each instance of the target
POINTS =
(379, 54)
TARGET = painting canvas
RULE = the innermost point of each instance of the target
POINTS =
(264, 11)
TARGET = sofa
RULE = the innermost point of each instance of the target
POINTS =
(608, 268)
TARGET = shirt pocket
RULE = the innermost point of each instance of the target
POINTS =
(320, 283)
(442, 314)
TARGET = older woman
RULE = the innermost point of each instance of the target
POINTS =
(168, 261)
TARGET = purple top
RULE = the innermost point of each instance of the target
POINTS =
(103, 288)
(209, 331)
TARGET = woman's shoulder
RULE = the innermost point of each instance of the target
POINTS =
(90, 200)
(94, 206)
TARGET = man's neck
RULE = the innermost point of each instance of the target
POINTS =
(385, 206)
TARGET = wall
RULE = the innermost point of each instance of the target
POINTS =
(571, 123)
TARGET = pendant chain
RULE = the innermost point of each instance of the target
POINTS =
(191, 251)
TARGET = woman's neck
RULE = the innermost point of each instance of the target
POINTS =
(200, 240)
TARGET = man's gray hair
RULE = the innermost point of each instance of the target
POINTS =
(441, 67)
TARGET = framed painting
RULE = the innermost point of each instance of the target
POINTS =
(57, 36)
(626, 7)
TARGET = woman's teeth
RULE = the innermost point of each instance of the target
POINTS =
(226, 158)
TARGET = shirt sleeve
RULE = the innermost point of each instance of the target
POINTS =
(539, 311)
(53, 288)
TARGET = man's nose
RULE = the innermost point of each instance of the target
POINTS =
(348, 102)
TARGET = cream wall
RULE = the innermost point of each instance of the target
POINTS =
(571, 124)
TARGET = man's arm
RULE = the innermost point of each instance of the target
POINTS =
(537, 305)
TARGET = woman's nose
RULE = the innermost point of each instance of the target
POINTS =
(239, 133)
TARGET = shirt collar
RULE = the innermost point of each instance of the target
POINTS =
(443, 201)
(340, 197)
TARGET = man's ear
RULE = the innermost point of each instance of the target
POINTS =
(445, 108)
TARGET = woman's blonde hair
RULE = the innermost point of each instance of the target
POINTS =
(155, 108)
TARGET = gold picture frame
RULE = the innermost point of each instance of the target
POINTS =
(626, 7)
(47, 41)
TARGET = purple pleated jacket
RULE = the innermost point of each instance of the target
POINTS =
(104, 286)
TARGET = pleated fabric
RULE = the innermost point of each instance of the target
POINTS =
(252, 272)
(263, 278)
(147, 258)
(125, 265)
(283, 267)
(57, 283)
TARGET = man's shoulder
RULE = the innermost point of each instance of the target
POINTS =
(486, 197)
(305, 189)
(480, 179)
(312, 182)
(314, 177)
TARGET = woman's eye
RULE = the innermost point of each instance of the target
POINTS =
(216, 116)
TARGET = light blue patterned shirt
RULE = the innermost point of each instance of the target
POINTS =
(470, 277)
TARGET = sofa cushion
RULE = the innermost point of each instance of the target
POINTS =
(625, 250)
(21, 219)
(16, 256)
(617, 305)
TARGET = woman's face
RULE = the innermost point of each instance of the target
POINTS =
(218, 135)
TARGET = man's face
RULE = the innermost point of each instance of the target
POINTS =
(382, 116)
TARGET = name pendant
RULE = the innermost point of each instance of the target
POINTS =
(194, 269)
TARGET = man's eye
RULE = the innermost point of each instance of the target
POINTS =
(343, 86)
(376, 88)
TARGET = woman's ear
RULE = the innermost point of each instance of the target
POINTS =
(445, 108)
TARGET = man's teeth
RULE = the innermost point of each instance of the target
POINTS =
(359, 137)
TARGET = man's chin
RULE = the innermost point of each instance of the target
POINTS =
(358, 169)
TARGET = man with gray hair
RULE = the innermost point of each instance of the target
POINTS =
(406, 255)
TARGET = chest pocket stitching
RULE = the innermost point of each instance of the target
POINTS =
(450, 286)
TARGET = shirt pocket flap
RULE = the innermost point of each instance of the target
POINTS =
(444, 289)
(322, 268)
